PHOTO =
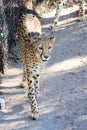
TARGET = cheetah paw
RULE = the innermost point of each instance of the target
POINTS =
(81, 19)
(23, 85)
(34, 116)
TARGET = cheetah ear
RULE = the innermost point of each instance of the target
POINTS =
(34, 35)
(52, 38)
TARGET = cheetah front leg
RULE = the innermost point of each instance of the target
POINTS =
(60, 6)
(81, 10)
(32, 96)
(36, 79)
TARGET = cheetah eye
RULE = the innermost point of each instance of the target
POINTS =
(49, 47)
(40, 48)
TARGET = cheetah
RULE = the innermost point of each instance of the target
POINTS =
(60, 6)
(34, 52)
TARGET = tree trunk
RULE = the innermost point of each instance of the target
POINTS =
(12, 15)
(3, 40)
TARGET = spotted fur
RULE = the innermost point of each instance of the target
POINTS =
(34, 52)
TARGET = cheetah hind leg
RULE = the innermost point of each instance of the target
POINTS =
(24, 79)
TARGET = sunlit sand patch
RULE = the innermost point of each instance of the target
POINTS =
(67, 65)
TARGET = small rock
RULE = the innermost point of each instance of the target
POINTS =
(2, 103)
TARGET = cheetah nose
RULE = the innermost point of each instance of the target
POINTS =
(46, 56)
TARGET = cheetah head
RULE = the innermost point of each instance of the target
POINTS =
(44, 48)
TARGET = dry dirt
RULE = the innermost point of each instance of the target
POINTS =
(63, 85)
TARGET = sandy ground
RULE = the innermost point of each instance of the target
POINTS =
(63, 86)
